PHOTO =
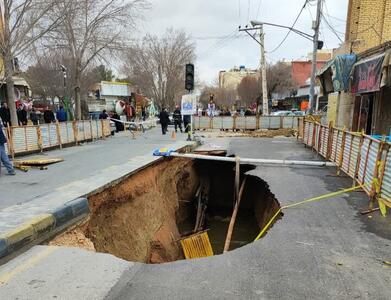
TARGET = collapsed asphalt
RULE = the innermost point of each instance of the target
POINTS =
(322, 250)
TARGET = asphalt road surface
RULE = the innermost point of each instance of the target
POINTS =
(322, 250)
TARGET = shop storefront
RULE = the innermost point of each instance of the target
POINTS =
(372, 95)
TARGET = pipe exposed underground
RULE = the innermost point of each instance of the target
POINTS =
(255, 161)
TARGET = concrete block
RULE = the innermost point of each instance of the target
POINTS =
(3, 248)
(62, 215)
(43, 224)
(79, 206)
(19, 237)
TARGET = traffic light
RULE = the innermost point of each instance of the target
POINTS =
(320, 45)
(189, 79)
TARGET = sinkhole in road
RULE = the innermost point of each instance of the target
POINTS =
(143, 217)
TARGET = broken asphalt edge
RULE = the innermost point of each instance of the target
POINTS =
(43, 227)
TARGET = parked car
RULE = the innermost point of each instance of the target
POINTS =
(281, 113)
(299, 113)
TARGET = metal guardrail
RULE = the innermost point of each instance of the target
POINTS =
(245, 123)
(365, 159)
(27, 139)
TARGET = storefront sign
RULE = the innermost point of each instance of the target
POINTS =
(367, 75)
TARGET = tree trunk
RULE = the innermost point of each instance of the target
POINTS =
(8, 67)
(77, 96)
(8, 72)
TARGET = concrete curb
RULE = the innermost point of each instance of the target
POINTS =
(43, 227)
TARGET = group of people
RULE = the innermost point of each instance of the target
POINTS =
(177, 118)
(23, 116)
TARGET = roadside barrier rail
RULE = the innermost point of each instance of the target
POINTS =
(365, 159)
(37, 138)
(245, 123)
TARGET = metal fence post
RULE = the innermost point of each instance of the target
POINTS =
(75, 132)
(340, 158)
(59, 134)
(39, 135)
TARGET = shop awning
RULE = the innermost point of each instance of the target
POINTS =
(334, 76)
(366, 74)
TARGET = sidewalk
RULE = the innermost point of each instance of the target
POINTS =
(79, 162)
(85, 169)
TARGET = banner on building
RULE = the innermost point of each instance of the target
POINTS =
(367, 75)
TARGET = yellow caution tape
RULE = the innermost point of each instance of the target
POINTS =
(383, 208)
(329, 195)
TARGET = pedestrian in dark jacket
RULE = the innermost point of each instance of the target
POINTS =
(34, 117)
(118, 125)
(48, 116)
(5, 114)
(186, 122)
(103, 115)
(164, 120)
(61, 115)
(22, 116)
(177, 119)
(3, 155)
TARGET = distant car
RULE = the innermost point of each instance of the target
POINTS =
(299, 113)
(281, 113)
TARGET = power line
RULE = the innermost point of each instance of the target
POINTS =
(331, 28)
(258, 10)
(240, 19)
(248, 10)
(290, 30)
(220, 43)
(328, 14)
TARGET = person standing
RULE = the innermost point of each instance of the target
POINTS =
(5, 114)
(34, 116)
(164, 120)
(48, 116)
(177, 119)
(61, 114)
(22, 115)
(186, 122)
(103, 115)
(118, 125)
(3, 155)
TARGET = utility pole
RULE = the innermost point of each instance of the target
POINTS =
(265, 107)
(314, 58)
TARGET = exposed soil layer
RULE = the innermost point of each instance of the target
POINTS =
(73, 238)
(143, 217)
(136, 219)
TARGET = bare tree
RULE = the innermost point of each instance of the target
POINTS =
(279, 78)
(23, 23)
(157, 65)
(223, 97)
(91, 29)
(46, 79)
(249, 90)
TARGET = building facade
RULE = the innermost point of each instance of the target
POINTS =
(232, 78)
(363, 105)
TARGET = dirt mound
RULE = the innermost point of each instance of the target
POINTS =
(73, 238)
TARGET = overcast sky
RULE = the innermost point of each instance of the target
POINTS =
(206, 20)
